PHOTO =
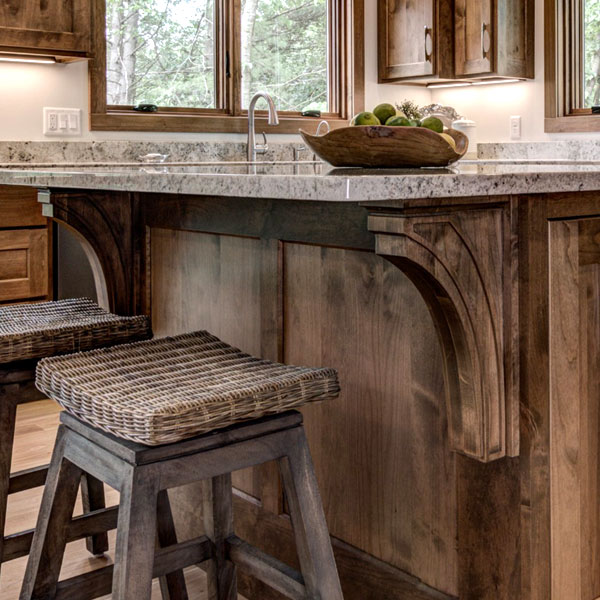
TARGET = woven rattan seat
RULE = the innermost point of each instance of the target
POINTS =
(168, 389)
(31, 331)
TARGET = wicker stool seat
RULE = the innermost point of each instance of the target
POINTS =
(169, 389)
(30, 331)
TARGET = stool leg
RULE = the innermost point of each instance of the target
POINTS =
(172, 586)
(218, 526)
(50, 538)
(92, 496)
(136, 536)
(8, 412)
(310, 527)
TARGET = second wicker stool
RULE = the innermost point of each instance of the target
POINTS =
(143, 418)
(29, 332)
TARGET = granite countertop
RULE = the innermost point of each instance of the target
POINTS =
(308, 180)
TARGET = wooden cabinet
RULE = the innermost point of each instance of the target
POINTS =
(494, 38)
(406, 38)
(25, 247)
(413, 39)
(436, 40)
(61, 27)
(475, 33)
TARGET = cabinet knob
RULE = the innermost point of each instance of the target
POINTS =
(486, 40)
(428, 44)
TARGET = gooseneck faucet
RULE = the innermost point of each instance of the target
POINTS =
(253, 147)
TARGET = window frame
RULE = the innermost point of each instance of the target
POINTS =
(346, 80)
(564, 69)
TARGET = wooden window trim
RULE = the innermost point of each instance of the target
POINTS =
(563, 69)
(348, 96)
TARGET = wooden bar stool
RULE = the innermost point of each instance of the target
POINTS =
(150, 416)
(29, 332)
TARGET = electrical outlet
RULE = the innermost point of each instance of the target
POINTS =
(62, 121)
(515, 128)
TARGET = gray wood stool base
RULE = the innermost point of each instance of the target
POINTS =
(142, 475)
(17, 386)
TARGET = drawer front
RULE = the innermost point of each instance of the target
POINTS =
(19, 208)
(23, 264)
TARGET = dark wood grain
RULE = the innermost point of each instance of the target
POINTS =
(92, 498)
(457, 261)
(403, 41)
(494, 38)
(172, 585)
(53, 25)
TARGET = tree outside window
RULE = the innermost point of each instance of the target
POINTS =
(164, 52)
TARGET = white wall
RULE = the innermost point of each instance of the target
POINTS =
(27, 88)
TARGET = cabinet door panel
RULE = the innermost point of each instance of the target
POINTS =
(23, 264)
(406, 38)
(475, 37)
(61, 25)
(19, 208)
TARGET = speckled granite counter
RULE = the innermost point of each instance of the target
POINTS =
(315, 181)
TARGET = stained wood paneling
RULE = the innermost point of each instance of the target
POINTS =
(23, 264)
(204, 281)
(19, 208)
(406, 38)
(575, 432)
(474, 44)
(381, 450)
(61, 25)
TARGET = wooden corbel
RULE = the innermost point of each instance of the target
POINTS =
(462, 263)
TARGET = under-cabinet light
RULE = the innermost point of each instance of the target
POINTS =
(24, 58)
(449, 85)
(470, 83)
(496, 81)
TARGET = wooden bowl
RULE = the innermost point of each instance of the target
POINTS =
(386, 147)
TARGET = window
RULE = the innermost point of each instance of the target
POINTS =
(572, 64)
(160, 52)
(201, 61)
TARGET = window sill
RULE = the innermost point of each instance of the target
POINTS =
(573, 124)
(190, 123)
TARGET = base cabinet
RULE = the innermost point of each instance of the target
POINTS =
(304, 282)
(25, 247)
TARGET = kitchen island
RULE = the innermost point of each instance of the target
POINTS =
(461, 310)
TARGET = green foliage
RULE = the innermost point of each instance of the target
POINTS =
(163, 52)
(410, 109)
(288, 53)
(591, 82)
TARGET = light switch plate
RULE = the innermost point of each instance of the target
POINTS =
(515, 127)
(61, 122)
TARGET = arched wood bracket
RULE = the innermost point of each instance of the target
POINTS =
(462, 263)
(104, 223)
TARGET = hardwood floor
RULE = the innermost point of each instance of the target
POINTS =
(34, 438)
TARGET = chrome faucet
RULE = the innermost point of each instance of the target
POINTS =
(253, 147)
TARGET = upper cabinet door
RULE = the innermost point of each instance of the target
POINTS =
(63, 26)
(475, 37)
(407, 38)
